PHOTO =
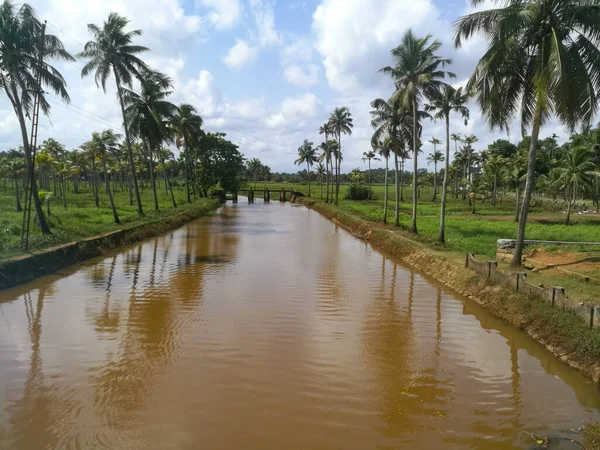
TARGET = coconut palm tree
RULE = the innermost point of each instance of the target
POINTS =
(15, 169)
(325, 156)
(20, 66)
(384, 147)
(368, 156)
(254, 166)
(435, 158)
(543, 59)
(576, 171)
(164, 155)
(442, 102)
(307, 154)
(112, 51)
(417, 71)
(469, 141)
(63, 170)
(147, 114)
(265, 171)
(320, 172)
(105, 144)
(187, 127)
(327, 130)
(493, 167)
(390, 120)
(341, 122)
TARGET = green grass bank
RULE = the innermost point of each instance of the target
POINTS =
(83, 230)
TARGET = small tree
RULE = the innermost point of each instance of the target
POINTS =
(368, 156)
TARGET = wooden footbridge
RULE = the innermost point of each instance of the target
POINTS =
(251, 194)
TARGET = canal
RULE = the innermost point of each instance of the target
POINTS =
(266, 326)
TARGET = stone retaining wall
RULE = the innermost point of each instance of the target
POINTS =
(555, 295)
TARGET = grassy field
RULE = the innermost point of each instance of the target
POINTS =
(467, 232)
(82, 218)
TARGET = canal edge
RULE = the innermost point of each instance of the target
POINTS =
(25, 268)
(498, 299)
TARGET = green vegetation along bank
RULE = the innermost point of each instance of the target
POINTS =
(563, 333)
(83, 231)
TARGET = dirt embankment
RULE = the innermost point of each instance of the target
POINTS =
(562, 333)
(24, 268)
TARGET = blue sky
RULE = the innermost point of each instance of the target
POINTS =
(266, 72)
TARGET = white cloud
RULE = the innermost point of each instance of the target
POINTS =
(298, 66)
(224, 14)
(204, 95)
(302, 76)
(264, 18)
(240, 54)
(295, 109)
(353, 50)
(262, 35)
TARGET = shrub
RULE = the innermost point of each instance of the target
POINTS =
(358, 192)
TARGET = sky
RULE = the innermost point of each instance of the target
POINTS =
(265, 72)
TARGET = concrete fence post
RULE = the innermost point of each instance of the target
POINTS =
(491, 264)
(596, 317)
(556, 290)
(520, 275)
(469, 255)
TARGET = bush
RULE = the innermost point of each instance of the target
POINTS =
(358, 192)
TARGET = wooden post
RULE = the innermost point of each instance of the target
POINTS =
(234, 197)
(266, 196)
(250, 196)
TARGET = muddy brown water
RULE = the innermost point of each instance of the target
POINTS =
(266, 326)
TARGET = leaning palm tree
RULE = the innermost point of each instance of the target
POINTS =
(384, 147)
(368, 156)
(325, 156)
(20, 67)
(341, 122)
(307, 154)
(187, 127)
(147, 114)
(435, 158)
(112, 51)
(320, 172)
(392, 121)
(576, 170)
(442, 102)
(417, 71)
(543, 59)
(104, 143)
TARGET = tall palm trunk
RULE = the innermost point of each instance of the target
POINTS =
(434, 181)
(129, 152)
(167, 181)
(385, 189)
(338, 160)
(152, 180)
(108, 191)
(397, 211)
(402, 180)
(320, 186)
(187, 170)
(308, 176)
(18, 195)
(64, 191)
(94, 181)
(537, 121)
(369, 196)
(571, 202)
(327, 176)
(413, 226)
(37, 204)
(494, 190)
(442, 235)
